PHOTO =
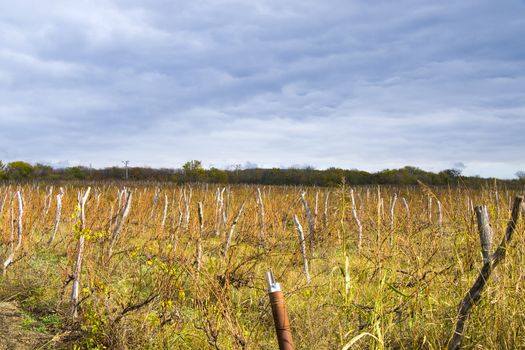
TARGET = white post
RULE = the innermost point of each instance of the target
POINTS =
(57, 216)
(20, 214)
(232, 230)
(303, 247)
(407, 209)
(316, 209)
(325, 215)
(78, 263)
(165, 214)
(261, 210)
(485, 232)
(11, 256)
(119, 223)
(392, 212)
(440, 214)
(310, 222)
(226, 210)
(356, 218)
(429, 207)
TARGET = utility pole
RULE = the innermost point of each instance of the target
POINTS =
(126, 162)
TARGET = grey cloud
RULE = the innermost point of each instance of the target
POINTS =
(350, 84)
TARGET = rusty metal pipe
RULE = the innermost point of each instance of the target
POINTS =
(280, 316)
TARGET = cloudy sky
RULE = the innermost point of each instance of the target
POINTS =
(353, 84)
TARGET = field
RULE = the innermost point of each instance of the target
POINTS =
(149, 266)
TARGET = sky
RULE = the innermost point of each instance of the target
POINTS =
(351, 84)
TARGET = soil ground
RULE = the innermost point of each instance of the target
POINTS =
(13, 336)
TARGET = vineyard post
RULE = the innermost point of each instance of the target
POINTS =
(47, 201)
(303, 247)
(392, 212)
(359, 226)
(440, 214)
(187, 201)
(155, 199)
(485, 232)
(97, 196)
(198, 252)
(429, 208)
(12, 248)
(118, 225)
(280, 316)
(325, 214)
(9, 259)
(360, 200)
(475, 292)
(20, 200)
(165, 212)
(407, 209)
(232, 230)
(316, 209)
(471, 210)
(226, 210)
(261, 209)
(119, 196)
(310, 223)
(179, 223)
(57, 216)
(3, 203)
(392, 219)
(78, 263)
(379, 199)
(218, 209)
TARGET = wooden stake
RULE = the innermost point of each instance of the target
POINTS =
(78, 263)
(280, 316)
(474, 294)
(198, 252)
(303, 247)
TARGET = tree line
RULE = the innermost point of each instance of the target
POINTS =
(193, 171)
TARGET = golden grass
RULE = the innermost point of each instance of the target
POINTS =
(149, 294)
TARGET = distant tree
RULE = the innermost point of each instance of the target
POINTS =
(412, 170)
(448, 175)
(520, 175)
(193, 171)
(43, 171)
(357, 177)
(453, 172)
(76, 172)
(192, 165)
(20, 170)
(217, 176)
(332, 176)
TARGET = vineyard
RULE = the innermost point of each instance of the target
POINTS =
(151, 266)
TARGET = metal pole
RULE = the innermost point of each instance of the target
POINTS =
(280, 316)
(126, 162)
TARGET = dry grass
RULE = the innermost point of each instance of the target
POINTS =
(404, 285)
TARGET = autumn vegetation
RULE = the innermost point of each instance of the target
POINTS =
(182, 266)
(193, 171)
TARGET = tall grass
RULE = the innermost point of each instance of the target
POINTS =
(190, 273)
